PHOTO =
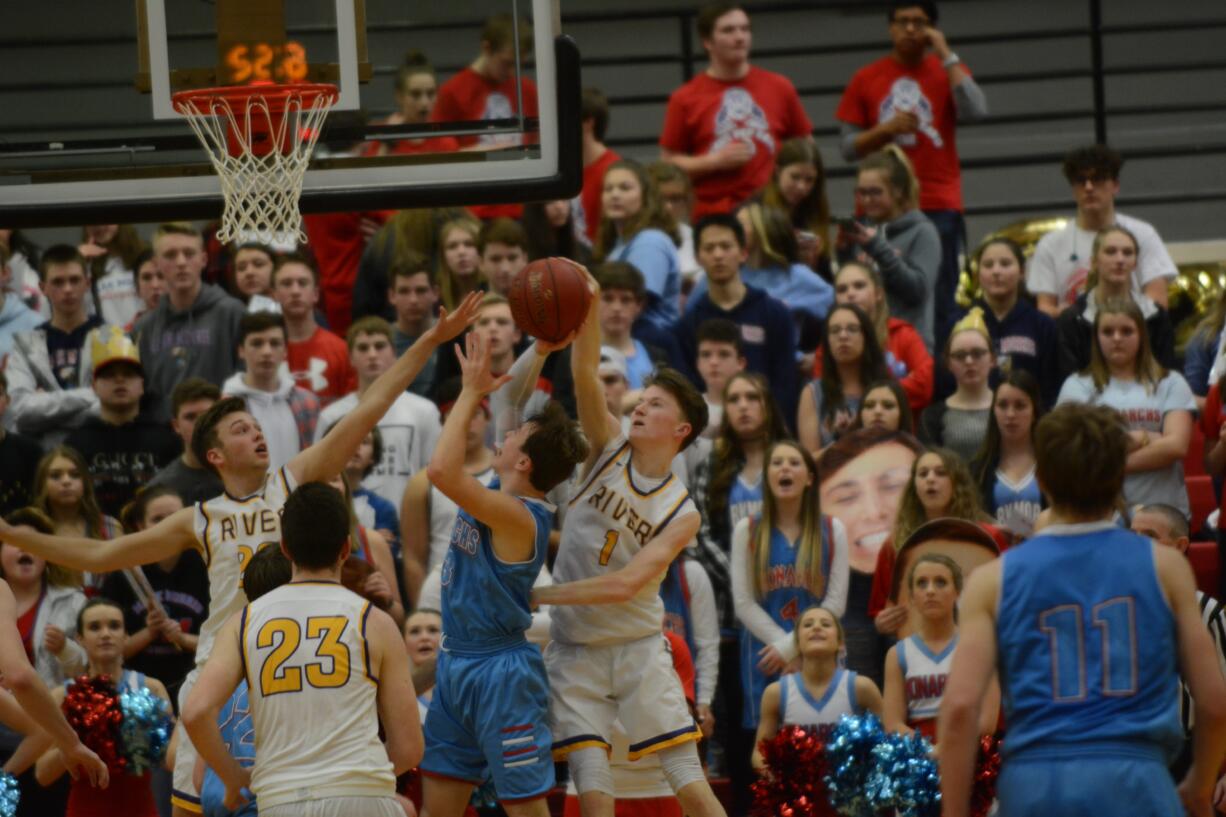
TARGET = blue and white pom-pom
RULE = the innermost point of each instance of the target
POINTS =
(904, 776)
(849, 759)
(10, 794)
(144, 732)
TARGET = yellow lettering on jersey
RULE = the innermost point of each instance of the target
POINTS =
(610, 542)
(330, 628)
(260, 520)
(286, 635)
(245, 552)
(614, 506)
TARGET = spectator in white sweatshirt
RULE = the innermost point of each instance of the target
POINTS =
(286, 413)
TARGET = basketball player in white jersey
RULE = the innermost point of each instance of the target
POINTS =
(321, 668)
(229, 529)
(628, 520)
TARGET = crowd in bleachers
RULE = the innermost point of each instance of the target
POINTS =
(834, 359)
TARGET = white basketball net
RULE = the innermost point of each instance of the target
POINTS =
(260, 192)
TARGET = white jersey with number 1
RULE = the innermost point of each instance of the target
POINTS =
(615, 512)
(230, 531)
(314, 698)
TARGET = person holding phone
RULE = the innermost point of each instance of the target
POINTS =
(914, 97)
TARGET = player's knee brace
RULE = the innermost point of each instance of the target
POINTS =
(681, 765)
(589, 767)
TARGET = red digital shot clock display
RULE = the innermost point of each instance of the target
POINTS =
(265, 62)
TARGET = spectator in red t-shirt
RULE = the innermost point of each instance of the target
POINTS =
(914, 97)
(597, 157)
(318, 360)
(724, 126)
(486, 89)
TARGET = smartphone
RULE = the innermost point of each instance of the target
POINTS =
(847, 224)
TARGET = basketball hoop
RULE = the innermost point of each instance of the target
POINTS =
(259, 138)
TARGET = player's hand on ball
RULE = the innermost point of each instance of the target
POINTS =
(475, 366)
(544, 347)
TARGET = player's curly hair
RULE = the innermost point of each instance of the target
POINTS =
(555, 446)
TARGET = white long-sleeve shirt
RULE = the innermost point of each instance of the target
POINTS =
(704, 624)
(751, 614)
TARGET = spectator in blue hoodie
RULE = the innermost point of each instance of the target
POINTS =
(767, 333)
(1024, 337)
(773, 265)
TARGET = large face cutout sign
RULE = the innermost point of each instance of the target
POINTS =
(862, 477)
(965, 542)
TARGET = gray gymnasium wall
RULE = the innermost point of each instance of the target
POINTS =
(61, 73)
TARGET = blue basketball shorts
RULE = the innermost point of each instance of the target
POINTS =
(490, 715)
(1086, 785)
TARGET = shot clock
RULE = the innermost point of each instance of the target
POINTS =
(247, 62)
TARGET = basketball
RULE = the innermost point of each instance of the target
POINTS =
(549, 299)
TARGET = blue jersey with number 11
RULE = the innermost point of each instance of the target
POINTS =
(1087, 642)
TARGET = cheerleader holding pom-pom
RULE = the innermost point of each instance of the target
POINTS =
(917, 667)
(822, 691)
(101, 632)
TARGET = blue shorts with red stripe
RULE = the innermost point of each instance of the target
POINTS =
(489, 717)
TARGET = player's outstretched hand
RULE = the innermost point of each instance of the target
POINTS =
(79, 759)
(475, 366)
(450, 324)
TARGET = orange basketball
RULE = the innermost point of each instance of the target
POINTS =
(549, 299)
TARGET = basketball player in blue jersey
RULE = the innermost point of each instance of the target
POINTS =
(489, 711)
(1086, 624)
(626, 523)
(324, 673)
(228, 530)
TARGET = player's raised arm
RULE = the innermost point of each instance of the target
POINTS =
(598, 425)
(221, 675)
(397, 699)
(168, 537)
(328, 456)
(513, 523)
(36, 700)
(622, 585)
(973, 665)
